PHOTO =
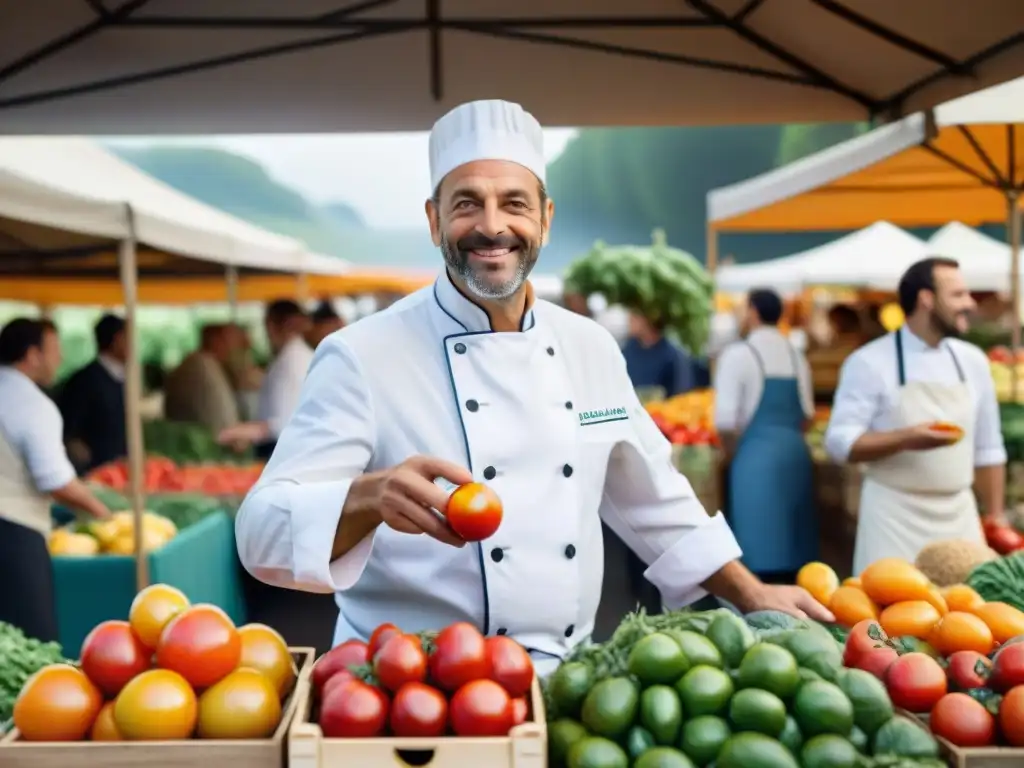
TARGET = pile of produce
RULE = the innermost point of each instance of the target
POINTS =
(164, 476)
(182, 509)
(1003, 538)
(114, 536)
(696, 689)
(20, 658)
(686, 419)
(815, 434)
(665, 285)
(1001, 581)
(427, 685)
(188, 444)
(171, 672)
(1001, 364)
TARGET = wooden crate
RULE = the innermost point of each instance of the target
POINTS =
(524, 747)
(984, 757)
(254, 753)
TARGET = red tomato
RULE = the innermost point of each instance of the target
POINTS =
(916, 682)
(1011, 716)
(356, 711)
(481, 708)
(511, 666)
(1004, 539)
(340, 678)
(351, 653)
(520, 710)
(459, 657)
(401, 660)
(201, 644)
(474, 511)
(418, 711)
(866, 635)
(877, 661)
(968, 669)
(112, 655)
(962, 720)
(1008, 667)
(381, 635)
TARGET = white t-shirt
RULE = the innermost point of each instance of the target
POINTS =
(282, 386)
(32, 425)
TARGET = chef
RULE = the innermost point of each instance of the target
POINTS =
(763, 402)
(474, 378)
(918, 480)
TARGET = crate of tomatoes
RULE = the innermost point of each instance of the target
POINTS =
(445, 699)
(174, 685)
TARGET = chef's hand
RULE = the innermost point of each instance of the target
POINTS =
(407, 497)
(796, 601)
(923, 438)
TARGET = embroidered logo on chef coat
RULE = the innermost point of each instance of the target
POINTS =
(589, 418)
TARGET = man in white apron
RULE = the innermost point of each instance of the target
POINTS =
(34, 469)
(474, 378)
(918, 480)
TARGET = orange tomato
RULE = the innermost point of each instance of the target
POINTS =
(914, 618)
(264, 650)
(244, 705)
(201, 644)
(158, 705)
(850, 605)
(892, 580)
(961, 631)
(852, 581)
(954, 431)
(818, 579)
(58, 703)
(474, 511)
(152, 610)
(104, 728)
(937, 601)
(1004, 620)
(960, 597)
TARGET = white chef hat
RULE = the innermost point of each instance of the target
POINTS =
(486, 130)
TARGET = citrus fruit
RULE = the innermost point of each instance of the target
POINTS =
(821, 707)
(818, 579)
(158, 705)
(569, 686)
(770, 668)
(152, 609)
(755, 710)
(596, 752)
(657, 658)
(704, 691)
(703, 737)
(852, 604)
(914, 618)
(611, 707)
(961, 631)
(562, 734)
(662, 757)
(871, 705)
(58, 703)
(828, 751)
(697, 648)
(661, 714)
(731, 636)
(754, 750)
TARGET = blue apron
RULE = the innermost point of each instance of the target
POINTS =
(771, 487)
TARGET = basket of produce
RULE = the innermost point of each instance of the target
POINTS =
(176, 684)
(164, 476)
(447, 699)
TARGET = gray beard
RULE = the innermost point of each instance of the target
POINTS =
(478, 285)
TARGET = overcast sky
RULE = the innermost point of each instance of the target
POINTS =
(385, 176)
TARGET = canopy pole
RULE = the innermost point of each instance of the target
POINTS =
(231, 276)
(133, 399)
(1013, 234)
(711, 247)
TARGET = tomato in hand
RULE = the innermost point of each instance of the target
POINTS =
(1011, 716)
(58, 703)
(481, 708)
(201, 644)
(866, 635)
(877, 661)
(474, 511)
(968, 670)
(418, 711)
(963, 721)
(152, 610)
(356, 711)
(380, 635)
(1008, 668)
(351, 653)
(511, 665)
(459, 657)
(916, 682)
(520, 710)
(112, 655)
(400, 660)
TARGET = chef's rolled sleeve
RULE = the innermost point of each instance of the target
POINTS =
(286, 526)
(856, 403)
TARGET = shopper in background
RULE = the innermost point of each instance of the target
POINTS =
(763, 404)
(652, 360)
(34, 471)
(323, 322)
(92, 400)
(199, 390)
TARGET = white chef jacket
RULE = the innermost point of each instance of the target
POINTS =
(547, 417)
(869, 388)
(739, 378)
(282, 386)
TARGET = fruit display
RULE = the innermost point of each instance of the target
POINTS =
(1002, 362)
(686, 419)
(1001, 580)
(952, 561)
(691, 689)
(425, 685)
(188, 444)
(815, 434)
(114, 536)
(20, 658)
(164, 476)
(1003, 538)
(171, 671)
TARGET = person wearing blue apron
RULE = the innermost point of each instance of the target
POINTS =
(763, 403)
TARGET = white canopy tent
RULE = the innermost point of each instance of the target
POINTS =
(873, 257)
(984, 261)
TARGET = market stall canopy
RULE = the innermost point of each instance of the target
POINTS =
(224, 66)
(873, 257)
(956, 164)
(984, 261)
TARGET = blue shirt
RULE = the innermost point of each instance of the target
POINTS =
(662, 364)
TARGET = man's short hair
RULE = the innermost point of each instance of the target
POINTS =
(768, 305)
(107, 330)
(920, 276)
(324, 311)
(282, 311)
(19, 336)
